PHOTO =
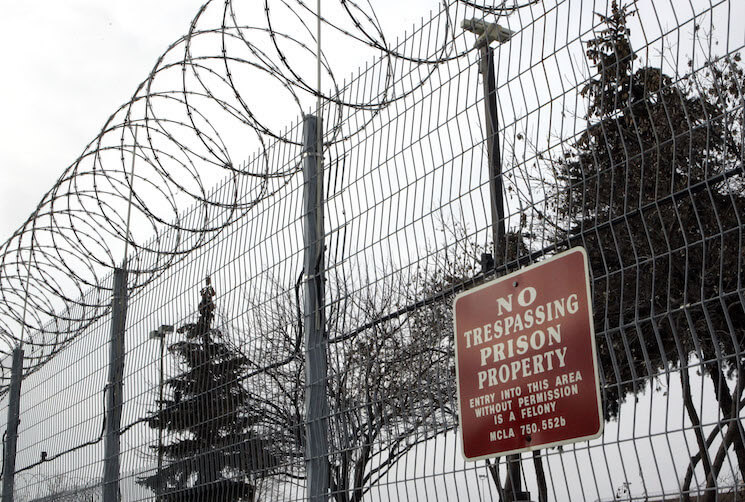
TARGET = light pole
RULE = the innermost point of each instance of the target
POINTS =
(488, 33)
(160, 334)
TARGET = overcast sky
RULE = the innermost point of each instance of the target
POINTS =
(66, 66)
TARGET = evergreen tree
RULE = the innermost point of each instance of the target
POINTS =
(653, 190)
(214, 455)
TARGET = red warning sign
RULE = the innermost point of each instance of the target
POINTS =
(526, 363)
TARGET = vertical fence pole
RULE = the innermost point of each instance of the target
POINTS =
(14, 410)
(316, 404)
(496, 192)
(115, 387)
(159, 488)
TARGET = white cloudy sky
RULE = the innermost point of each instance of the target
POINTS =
(66, 66)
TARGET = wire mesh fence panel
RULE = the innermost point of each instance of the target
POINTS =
(289, 335)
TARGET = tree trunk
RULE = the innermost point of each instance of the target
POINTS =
(695, 460)
(727, 404)
(702, 444)
(711, 480)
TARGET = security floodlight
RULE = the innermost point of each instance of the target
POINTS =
(487, 32)
(161, 332)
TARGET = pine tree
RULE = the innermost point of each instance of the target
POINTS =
(214, 454)
(653, 189)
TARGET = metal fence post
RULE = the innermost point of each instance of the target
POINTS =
(316, 404)
(14, 410)
(115, 387)
(159, 490)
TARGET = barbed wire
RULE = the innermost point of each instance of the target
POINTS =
(157, 156)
